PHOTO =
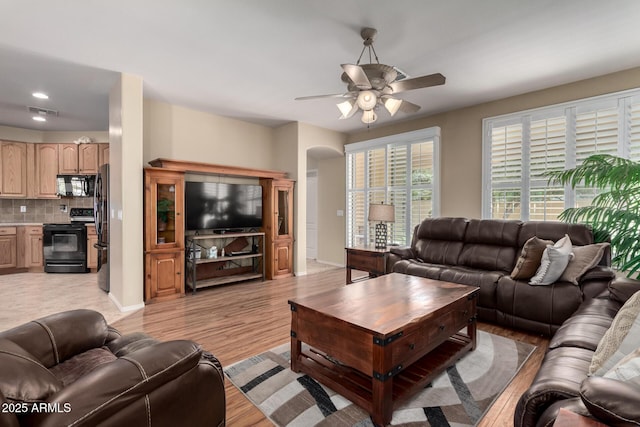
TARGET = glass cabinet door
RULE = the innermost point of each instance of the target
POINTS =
(166, 213)
(283, 212)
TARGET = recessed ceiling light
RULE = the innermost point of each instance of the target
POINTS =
(39, 119)
(40, 95)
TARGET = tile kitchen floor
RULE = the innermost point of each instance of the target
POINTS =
(28, 296)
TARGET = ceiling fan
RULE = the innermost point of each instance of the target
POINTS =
(373, 84)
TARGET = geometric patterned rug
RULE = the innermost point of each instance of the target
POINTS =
(458, 397)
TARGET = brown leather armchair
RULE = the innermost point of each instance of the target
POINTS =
(72, 368)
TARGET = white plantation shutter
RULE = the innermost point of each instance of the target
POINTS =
(519, 148)
(633, 123)
(547, 151)
(400, 170)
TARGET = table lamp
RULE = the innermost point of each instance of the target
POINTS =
(382, 213)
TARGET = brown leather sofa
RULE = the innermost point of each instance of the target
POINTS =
(72, 368)
(483, 253)
(562, 381)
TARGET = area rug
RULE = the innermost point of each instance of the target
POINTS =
(458, 397)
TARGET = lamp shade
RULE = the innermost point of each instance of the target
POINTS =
(382, 213)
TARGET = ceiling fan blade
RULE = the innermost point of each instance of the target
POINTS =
(334, 95)
(394, 105)
(357, 75)
(418, 82)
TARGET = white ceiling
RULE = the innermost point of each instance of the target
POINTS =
(249, 59)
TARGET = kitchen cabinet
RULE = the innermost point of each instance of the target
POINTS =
(163, 234)
(8, 247)
(77, 159)
(29, 246)
(46, 170)
(13, 169)
(92, 252)
(103, 154)
(277, 216)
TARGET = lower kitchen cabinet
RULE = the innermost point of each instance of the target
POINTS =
(8, 247)
(20, 248)
(164, 278)
(92, 251)
(30, 246)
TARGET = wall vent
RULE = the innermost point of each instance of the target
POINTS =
(42, 111)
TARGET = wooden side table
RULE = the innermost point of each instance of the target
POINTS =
(366, 258)
(567, 418)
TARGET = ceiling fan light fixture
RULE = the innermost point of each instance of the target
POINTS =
(392, 105)
(369, 116)
(367, 100)
(346, 108)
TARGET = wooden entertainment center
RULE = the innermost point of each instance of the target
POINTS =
(266, 254)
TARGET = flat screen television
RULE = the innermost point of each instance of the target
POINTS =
(222, 206)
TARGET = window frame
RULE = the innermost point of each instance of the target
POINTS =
(403, 139)
(622, 101)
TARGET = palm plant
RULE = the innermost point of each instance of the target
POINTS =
(615, 212)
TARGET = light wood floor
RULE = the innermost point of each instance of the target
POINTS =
(237, 321)
(233, 322)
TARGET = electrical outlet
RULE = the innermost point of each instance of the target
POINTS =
(23, 209)
(63, 208)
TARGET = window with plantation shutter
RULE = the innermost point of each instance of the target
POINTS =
(520, 148)
(401, 170)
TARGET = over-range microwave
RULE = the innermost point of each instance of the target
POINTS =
(76, 185)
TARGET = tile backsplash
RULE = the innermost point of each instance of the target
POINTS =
(41, 210)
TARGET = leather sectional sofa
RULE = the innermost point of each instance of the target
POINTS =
(484, 253)
(72, 368)
(563, 381)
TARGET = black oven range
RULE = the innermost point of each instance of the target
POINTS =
(65, 244)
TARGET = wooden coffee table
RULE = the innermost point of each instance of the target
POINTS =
(379, 341)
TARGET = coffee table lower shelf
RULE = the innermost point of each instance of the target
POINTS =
(358, 387)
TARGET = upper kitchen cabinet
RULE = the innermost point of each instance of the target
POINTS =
(46, 170)
(13, 169)
(77, 159)
(103, 154)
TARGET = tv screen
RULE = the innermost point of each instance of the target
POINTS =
(215, 206)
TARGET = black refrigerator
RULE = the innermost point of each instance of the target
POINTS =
(101, 216)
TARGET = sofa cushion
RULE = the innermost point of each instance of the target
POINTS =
(417, 268)
(580, 234)
(530, 258)
(627, 369)
(81, 364)
(584, 259)
(612, 402)
(22, 377)
(550, 305)
(487, 281)
(553, 263)
(439, 240)
(622, 337)
(490, 245)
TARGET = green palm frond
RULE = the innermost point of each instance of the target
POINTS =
(614, 213)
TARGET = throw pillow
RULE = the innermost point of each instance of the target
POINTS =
(584, 259)
(22, 377)
(622, 338)
(627, 369)
(553, 263)
(530, 258)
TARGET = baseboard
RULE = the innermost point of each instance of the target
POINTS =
(335, 264)
(125, 309)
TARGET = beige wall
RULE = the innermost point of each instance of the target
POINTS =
(331, 198)
(179, 133)
(461, 154)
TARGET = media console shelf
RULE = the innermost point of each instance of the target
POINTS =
(243, 259)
